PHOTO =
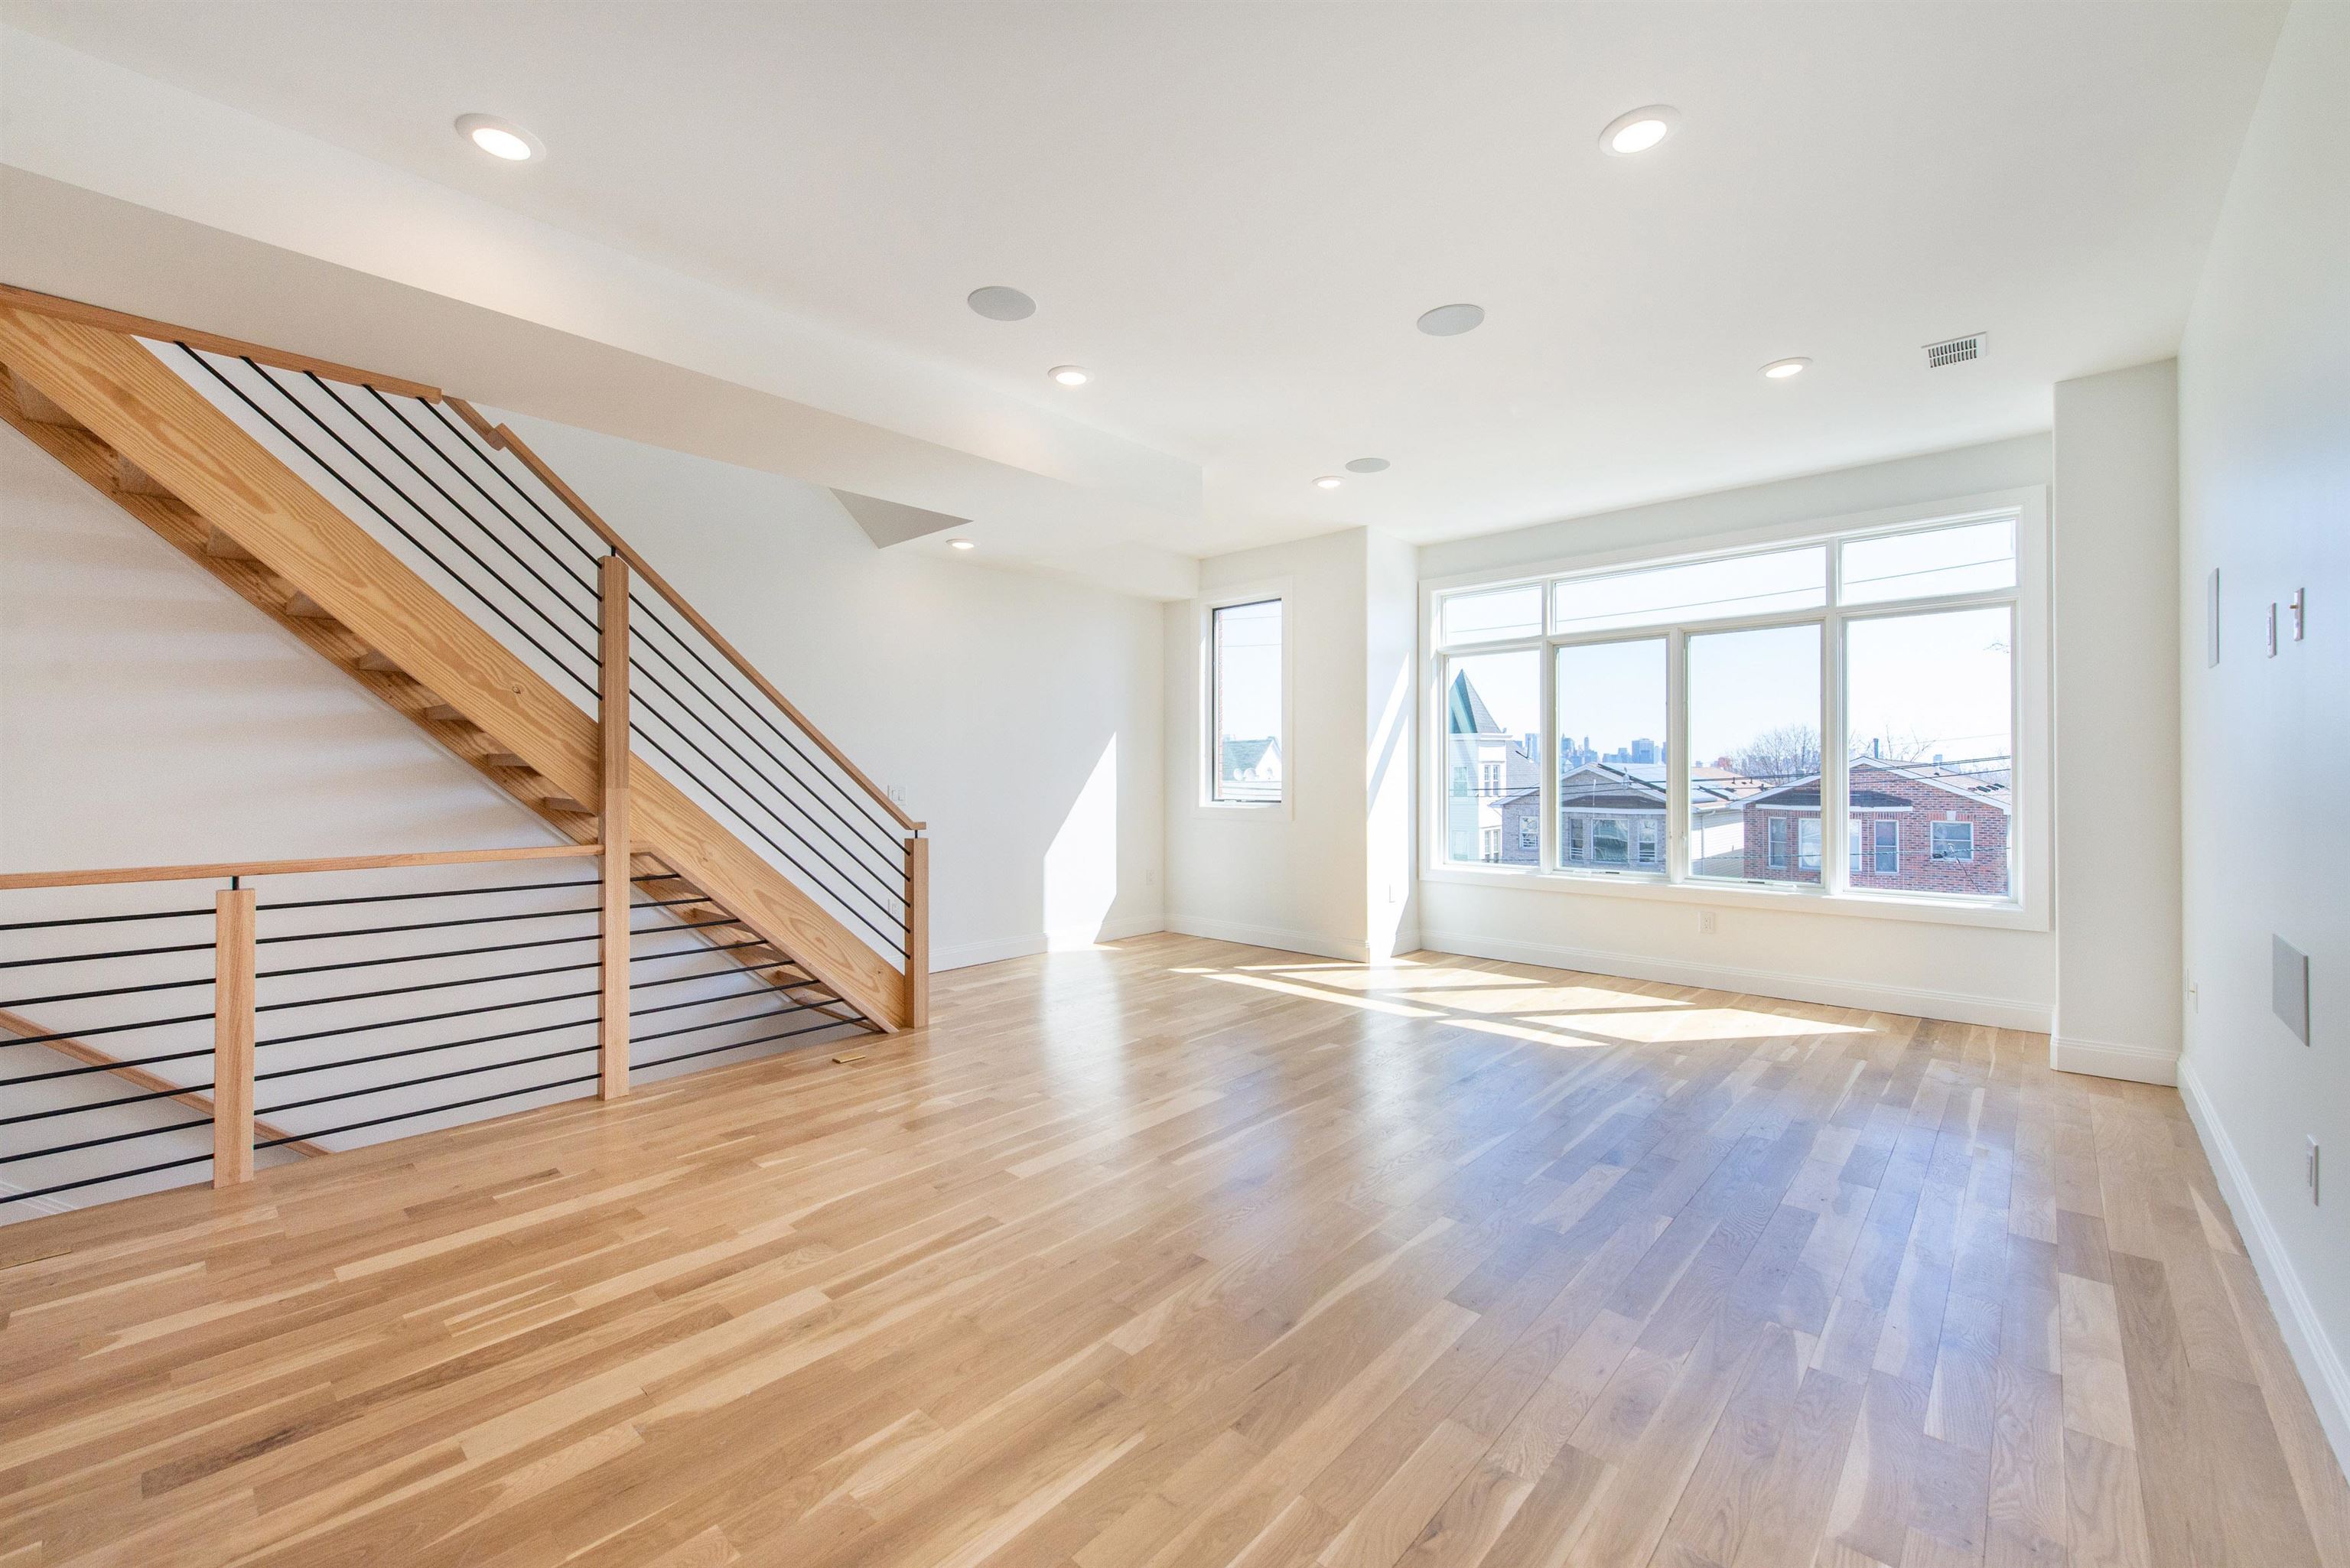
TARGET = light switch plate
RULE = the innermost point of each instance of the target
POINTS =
(2289, 982)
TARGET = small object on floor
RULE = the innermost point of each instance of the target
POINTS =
(850, 1057)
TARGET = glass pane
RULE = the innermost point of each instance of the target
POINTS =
(1247, 693)
(1754, 754)
(1932, 726)
(1493, 733)
(1611, 758)
(1493, 616)
(1975, 557)
(1695, 591)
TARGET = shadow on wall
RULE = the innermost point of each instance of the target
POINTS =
(1081, 864)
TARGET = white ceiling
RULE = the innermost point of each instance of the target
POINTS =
(1233, 213)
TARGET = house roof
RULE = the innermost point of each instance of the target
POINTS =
(1243, 756)
(1465, 711)
(1989, 786)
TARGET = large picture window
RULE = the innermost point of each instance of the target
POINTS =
(1245, 727)
(1835, 715)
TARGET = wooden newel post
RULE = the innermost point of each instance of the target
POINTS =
(918, 931)
(612, 1031)
(232, 1036)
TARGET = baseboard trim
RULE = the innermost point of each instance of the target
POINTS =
(2107, 1059)
(963, 955)
(1273, 937)
(1956, 1007)
(26, 1208)
(2313, 1355)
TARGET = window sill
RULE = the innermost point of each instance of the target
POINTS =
(2003, 915)
(1264, 810)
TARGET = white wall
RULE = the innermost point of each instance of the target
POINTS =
(1017, 715)
(1998, 976)
(2264, 458)
(1296, 879)
(2116, 633)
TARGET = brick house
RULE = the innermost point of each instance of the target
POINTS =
(1914, 828)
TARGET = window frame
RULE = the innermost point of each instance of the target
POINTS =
(2024, 906)
(1933, 855)
(1204, 802)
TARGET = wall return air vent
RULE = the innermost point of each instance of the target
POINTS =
(1955, 350)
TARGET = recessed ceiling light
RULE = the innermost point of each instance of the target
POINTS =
(1452, 320)
(998, 303)
(960, 545)
(1329, 482)
(1639, 130)
(1072, 375)
(500, 137)
(1780, 370)
(1368, 465)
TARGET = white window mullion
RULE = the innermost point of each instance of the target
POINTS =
(1835, 807)
(1546, 764)
(1677, 757)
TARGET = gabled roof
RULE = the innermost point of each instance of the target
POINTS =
(1465, 712)
(1243, 756)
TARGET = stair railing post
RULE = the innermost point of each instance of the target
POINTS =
(612, 1031)
(232, 917)
(918, 931)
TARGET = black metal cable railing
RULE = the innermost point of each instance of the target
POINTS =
(45, 1121)
(477, 515)
(332, 1059)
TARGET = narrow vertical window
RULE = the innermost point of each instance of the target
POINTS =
(1492, 736)
(1612, 755)
(1754, 748)
(1244, 687)
(1931, 734)
(1888, 847)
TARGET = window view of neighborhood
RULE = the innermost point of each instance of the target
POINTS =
(1245, 695)
(1928, 719)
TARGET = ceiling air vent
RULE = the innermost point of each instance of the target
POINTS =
(1956, 351)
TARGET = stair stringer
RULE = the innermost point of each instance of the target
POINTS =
(130, 403)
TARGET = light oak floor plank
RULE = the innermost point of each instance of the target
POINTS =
(1178, 1254)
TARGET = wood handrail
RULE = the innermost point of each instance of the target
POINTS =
(13, 880)
(503, 438)
(169, 332)
(498, 436)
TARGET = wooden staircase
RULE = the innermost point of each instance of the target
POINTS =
(80, 385)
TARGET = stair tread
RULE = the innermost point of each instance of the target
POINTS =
(36, 405)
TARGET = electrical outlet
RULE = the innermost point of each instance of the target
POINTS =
(2312, 1167)
(1708, 922)
(1150, 879)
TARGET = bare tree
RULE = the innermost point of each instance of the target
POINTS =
(1788, 752)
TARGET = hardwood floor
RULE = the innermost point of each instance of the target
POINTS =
(1182, 1253)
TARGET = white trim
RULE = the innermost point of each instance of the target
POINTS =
(2317, 1359)
(1203, 802)
(29, 1207)
(995, 950)
(1273, 937)
(1751, 893)
(2002, 1012)
(2111, 1059)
